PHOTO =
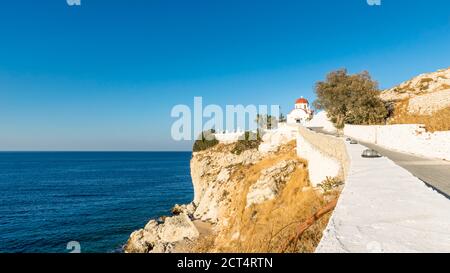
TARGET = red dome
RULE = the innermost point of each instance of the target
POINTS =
(301, 100)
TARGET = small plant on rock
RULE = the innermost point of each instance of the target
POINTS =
(330, 183)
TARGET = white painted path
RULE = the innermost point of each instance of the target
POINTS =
(384, 208)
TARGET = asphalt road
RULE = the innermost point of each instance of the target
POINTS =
(433, 172)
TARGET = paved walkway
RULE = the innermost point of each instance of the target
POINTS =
(434, 172)
(384, 208)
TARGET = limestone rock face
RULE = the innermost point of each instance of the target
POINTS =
(270, 183)
(429, 103)
(427, 93)
(188, 209)
(273, 139)
(211, 172)
(162, 237)
(177, 228)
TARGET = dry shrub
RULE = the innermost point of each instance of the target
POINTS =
(445, 86)
(205, 141)
(330, 184)
(250, 141)
(426, 80)
(268, 226)
(437, 121)
(204, 244)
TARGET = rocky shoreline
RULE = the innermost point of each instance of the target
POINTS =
(165, 234)
(243, 202)
(189, 222)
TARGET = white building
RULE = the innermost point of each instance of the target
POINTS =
(301, 113)
(322, 121)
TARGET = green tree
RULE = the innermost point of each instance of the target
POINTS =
(351, 99)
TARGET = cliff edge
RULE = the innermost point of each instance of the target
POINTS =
(246, 201)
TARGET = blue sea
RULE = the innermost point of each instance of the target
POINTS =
(48, 199)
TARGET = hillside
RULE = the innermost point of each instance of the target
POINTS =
(424, 99)
(426, 93)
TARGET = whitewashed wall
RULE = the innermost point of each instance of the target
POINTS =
(362, 133)
(320, 165)
(409, 138)
(228, 138)
(327, 155)
(321, 120)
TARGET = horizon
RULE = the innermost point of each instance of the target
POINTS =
(98, 151)
(103, 77)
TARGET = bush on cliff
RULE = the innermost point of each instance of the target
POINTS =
(351, 99)
(250, 141)
(205, 141)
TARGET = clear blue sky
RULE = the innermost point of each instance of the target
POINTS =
(105, 75)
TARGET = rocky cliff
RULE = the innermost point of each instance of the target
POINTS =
(426, 93)
(246, 202)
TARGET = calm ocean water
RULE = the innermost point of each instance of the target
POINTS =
(97, 199)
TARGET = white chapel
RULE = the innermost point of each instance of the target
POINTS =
(301, 113)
